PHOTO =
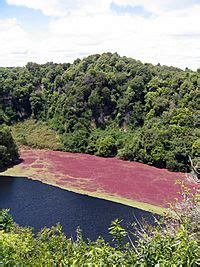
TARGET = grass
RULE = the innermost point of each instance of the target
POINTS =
(36, 135)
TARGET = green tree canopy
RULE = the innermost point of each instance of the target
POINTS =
(8, 149)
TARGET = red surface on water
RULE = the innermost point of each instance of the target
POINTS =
(132, 180)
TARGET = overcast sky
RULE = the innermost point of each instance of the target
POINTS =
(155, 31)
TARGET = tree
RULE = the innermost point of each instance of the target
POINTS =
(37, 101)
(8, 149)
(100, 91)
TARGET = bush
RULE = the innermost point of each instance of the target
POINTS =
(6, 221)
(196, 148)
(35, 134)
(75, 141)
(8, 149)
(106, 147)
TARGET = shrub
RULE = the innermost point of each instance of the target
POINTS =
(35, 134)
(75, 141)
(8, 149)
(6, 221)
(106, 147)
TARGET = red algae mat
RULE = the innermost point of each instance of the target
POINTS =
(131, 183)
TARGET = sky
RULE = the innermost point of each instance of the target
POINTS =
(154, 31)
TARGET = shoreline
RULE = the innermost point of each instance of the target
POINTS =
(102, 195)
(132, 184)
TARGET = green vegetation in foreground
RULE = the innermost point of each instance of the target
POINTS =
(35, 134)
(108, 105)
(8, 149)
(172, 242)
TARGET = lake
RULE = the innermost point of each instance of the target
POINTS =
(35, 204)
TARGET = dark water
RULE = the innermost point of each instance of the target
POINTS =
(38, 205)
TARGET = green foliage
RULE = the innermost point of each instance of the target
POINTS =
(156, 106)
(8, 149)
(6, 221)
(51, 247)
(157, 145)
(175, 240)
(37, 102)
(166, 249)
(35, 134)
(118, 233)
(196, 148)
(106, 147)
(106, 142)
(76, 141)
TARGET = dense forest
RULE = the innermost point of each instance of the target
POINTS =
(109, 106)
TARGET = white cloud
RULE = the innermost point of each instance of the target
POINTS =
(14, 42)
(83, 27)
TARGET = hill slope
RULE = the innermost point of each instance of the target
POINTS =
(109, 105)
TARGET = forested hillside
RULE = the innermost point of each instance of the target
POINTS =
(109, 106)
